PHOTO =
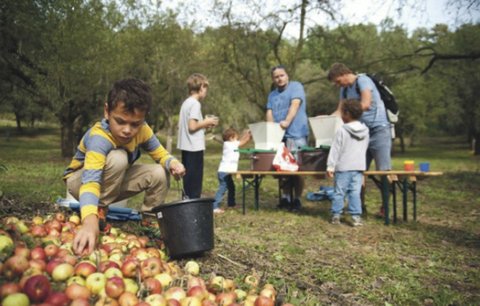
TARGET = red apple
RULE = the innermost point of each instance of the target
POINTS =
(198, 291)
(80, 302)
(22, 250)
(128, 299)
(194, 281)
(38, 231)
(143, 241)
(60, 217)
(154, 252)
(58, 299)
(51, 250)
(151, 267)
(226, 298)
(37, 288)
(15, 266)
(129, 267)
(38, 253)
(9, 288)
(85, 268)
(37, 264)
(105, 265)
(176, 293)
(152, 285)
(263, 301)
(52, 264)
(114, 287)
(173, 302)
(75, 291)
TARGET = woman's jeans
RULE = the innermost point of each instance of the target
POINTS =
(347, 184)
(225, 184)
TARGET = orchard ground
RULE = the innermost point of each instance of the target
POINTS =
(435, 261)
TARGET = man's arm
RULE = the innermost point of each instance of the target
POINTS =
(292, 112)
(269, 115)
(365, 99)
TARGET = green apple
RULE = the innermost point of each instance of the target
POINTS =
(192, 268)
(131, 285)
(62, 272)
(164, 278)
(6, 245)
(96, 282)
(16, 299)
(156, 300)
(112, 271)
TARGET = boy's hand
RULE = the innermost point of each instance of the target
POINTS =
(177, 169)
(86, 238)
(330, 174)
(211, 121)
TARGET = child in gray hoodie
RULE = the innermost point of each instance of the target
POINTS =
(347, 161)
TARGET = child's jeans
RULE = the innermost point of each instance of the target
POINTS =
(225, 183)
(347, 184)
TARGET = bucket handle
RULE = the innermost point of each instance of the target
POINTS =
(181, 191)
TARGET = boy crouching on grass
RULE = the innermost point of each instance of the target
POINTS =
(103, 170)
(347, 161)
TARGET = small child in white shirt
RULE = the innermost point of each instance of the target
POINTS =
(229, 164)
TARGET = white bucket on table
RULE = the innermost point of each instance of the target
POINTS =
(324, 128)
(266, 135)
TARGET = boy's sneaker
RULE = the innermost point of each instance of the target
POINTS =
(357, 221)
(335, 220)
(218, 211)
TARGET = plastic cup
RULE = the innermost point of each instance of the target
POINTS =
(409, 165)
(424, 167)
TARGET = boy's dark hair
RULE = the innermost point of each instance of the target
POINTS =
(229, 133)
(353, 108)
(135, 93)
(195, 82)
(336, 70)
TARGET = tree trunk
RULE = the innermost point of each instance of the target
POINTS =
(170, 130)
(18, 119)
(67, 141)
(476, 144)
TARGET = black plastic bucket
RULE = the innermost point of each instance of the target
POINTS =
(186, 226)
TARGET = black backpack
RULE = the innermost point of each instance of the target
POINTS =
(391, 105)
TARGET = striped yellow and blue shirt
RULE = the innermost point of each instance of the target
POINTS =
(92, 153)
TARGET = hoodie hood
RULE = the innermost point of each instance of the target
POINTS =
(356, 129)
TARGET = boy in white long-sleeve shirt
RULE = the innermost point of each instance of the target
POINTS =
(347, 161)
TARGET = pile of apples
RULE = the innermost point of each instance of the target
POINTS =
(124, 270)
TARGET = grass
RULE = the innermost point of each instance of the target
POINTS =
(434, 261)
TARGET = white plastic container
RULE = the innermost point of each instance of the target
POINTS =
(324, 128)
(266, 135)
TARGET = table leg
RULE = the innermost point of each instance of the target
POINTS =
(394, 200)
(385, 196)
(414, 191)
(255, 187)
(405, 194)
(244, 186)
